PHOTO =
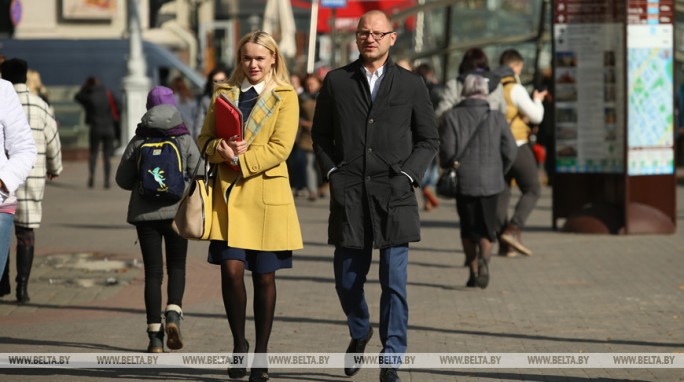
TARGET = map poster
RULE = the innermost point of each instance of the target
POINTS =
(589, 72)
(650, 127)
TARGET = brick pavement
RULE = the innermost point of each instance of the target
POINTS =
(578, 293)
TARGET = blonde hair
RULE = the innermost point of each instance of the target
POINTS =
(278, 74)
(34, 84)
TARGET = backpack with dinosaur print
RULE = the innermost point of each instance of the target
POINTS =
(160, 169)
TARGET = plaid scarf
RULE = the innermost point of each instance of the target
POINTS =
(265, 106)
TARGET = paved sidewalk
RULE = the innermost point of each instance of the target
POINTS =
(577, 294)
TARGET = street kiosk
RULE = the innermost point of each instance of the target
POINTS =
(614, 116)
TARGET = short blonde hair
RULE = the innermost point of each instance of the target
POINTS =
(278, 76)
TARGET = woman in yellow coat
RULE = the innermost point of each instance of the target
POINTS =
(255, 224)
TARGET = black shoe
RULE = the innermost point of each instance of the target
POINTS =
(174, 341)
(258, 375)
(156, 344)
(357, 346)
(239, 372)
(482, 273)
(472, 280)
(389, 375)
(91, 183)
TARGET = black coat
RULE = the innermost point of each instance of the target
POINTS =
(98, 110)
(371, 144)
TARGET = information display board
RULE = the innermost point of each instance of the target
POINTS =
(614, 116)
(589, 114)
(650, 82)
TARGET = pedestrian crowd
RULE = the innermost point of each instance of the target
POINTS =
(364, 135)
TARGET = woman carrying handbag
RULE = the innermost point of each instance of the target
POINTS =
(255, 224)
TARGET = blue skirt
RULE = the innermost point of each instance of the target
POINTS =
(255, 261)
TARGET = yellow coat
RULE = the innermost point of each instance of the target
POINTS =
(260, 213)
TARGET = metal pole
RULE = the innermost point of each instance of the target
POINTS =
(333, 38)
(447, 43)
(313, 27)
(420, 29)
(537, 79)
(136, 84)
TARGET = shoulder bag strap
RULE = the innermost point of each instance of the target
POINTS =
(203, 155)
(454, 159)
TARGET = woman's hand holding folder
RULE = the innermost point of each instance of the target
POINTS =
(229, 149)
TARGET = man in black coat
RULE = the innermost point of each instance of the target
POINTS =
(374, 133)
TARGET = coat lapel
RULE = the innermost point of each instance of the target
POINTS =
(360, 76)
(264, 108)
(383, 96)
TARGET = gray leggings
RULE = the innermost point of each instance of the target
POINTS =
(526, 176)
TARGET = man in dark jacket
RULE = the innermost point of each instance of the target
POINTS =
(96, 101)
(374, 134)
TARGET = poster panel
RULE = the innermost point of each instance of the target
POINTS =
(589, 112)
(88, 9)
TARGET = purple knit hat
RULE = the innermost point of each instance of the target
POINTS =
(160, 95)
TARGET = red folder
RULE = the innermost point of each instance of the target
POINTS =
(228, 119)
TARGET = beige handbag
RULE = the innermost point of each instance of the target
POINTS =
(193, 218)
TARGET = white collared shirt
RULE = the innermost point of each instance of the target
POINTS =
(374, 80)
(245, 85)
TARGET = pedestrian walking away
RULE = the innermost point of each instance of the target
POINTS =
(161, 127)
(100, 119)
(474, 61)
(16, 160)
(374, 134)
(520, 111)
(255, 224)
(29, 211)
(481, 141)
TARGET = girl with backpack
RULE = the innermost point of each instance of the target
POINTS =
(156, 167)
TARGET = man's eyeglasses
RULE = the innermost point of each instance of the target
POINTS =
(377, 36)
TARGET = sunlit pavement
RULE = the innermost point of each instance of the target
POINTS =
(576, 294)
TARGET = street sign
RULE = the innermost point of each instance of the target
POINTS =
(333, 3)
(16, 11)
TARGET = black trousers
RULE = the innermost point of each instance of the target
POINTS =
(107, 142)
(150, 235)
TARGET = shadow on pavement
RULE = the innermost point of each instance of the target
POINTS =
(81, 345)
(519, 376)
(127, 374)
(305, 320)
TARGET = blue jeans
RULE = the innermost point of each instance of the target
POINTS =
(351, 268)
(6, 223)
